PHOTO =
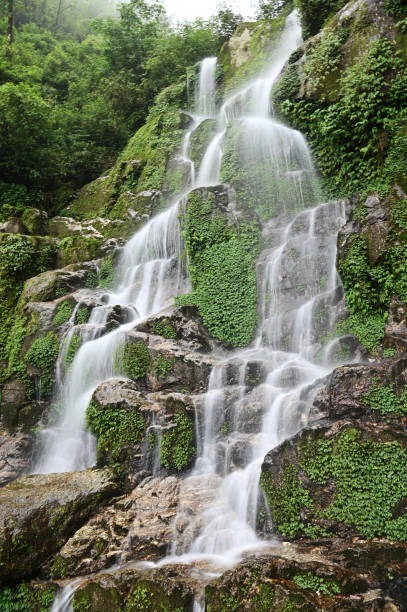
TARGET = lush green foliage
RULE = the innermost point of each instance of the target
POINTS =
(43, 354)
(82, 315)
(319, 584)
(162, 367)
(63, 313)
(357, 120)
(286, 501)
(73, 348)
(385, 401)
(314, 13)
(22, 598)
(369, 288)
(115, 428)
(133, 359)
(177, 448)
(72, 90)
(164, 328)
(106, 273)
(221, 262)
(370, 481)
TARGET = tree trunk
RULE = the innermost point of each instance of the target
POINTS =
(10, 20)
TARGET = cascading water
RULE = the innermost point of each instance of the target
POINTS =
(259, 396)
(299, 291)
(150, 275)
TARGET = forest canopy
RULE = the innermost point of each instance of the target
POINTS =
(77, 78)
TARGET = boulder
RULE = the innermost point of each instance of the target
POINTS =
(35, 221)
(136, 527)
(39, 512)
(170, 587)
(44, 287)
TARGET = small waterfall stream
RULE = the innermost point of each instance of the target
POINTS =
(258, 396)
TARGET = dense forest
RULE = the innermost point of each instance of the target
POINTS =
(76, 80)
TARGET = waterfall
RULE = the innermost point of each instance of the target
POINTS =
(150, 275)
(299, 292)
(258, 396)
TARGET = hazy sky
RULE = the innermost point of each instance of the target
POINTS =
(190, 9)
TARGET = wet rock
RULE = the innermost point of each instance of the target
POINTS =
(64, 227)
(167, 588)
(39, 512)
(137, 526)
(349, 386)
(183, 324)
(293, 578)
(35, 221)
(13, 226)
(15, 453)
(395, 334)
(43, 287)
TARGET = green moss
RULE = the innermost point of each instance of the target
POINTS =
(221, 262)
(147, 596)
(94, 596)
(60, 568)
(42, 355)
(354, 113)
(74, 346)
(162, 367)
(26, 597)
(319, 584)
(385, 401)
(116, 428)
(82, 315)
(63, 314)
(133, 359)
(286, 500)
(106, 273)
(165, 329)
(369, 289)
(177, 444)
(369, 479)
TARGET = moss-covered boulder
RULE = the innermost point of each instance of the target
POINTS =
(157, 363)
(141, 432)
(345, 480)
(313, 578)
(156, 590)
(38, 513)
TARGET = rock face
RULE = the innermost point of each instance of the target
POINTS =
(312, 578)
(346, 476)
(38, 513)
(135, 527)
(15, 451)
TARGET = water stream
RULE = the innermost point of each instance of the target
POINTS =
(258, 396)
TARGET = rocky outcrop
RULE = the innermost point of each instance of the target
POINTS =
(313, 578)
(15, 451)
(346, 476)
(136, 527)
(38, 513)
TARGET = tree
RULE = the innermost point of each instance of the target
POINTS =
(10, 20)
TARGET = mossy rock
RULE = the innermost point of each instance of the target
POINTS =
(33, 596)
(221, 257)
(39, 512)
(345, 482)
(120, 428)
